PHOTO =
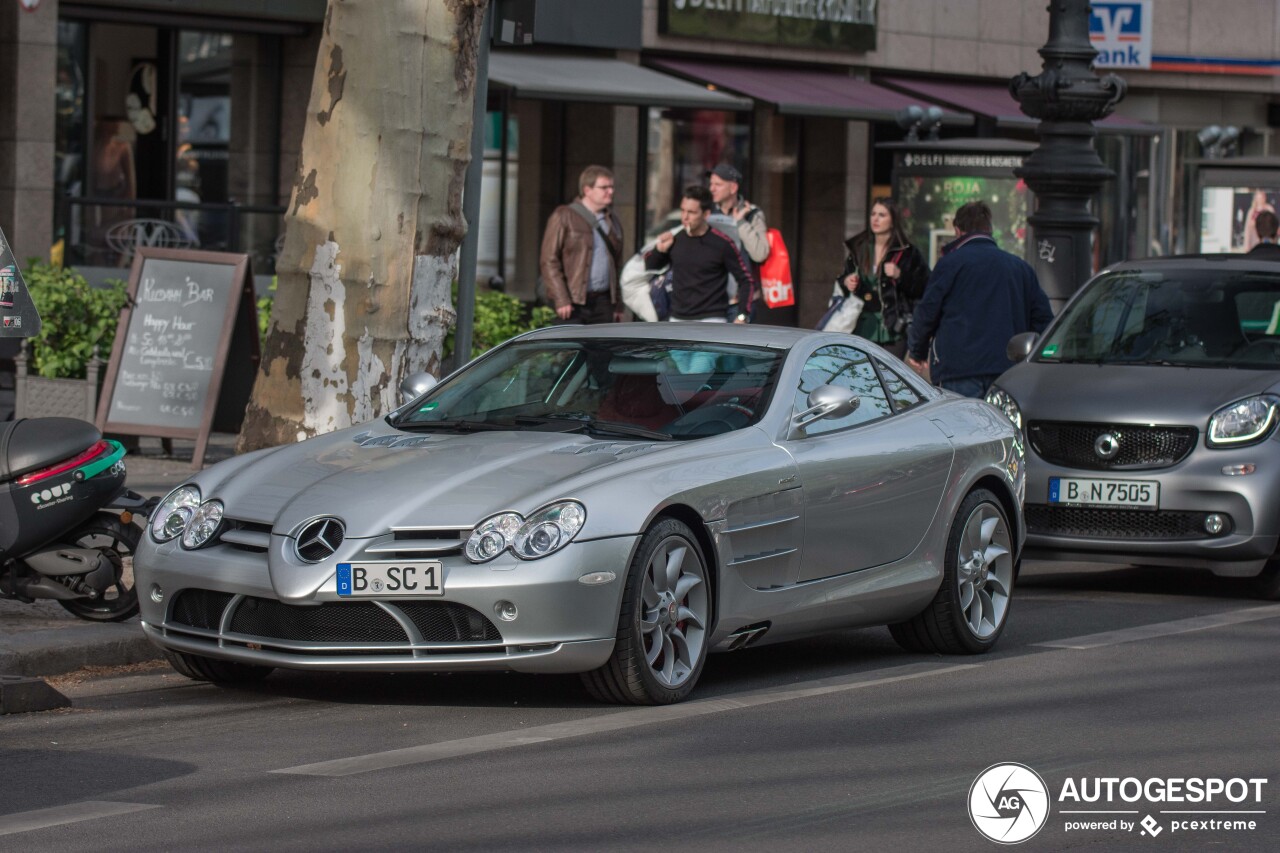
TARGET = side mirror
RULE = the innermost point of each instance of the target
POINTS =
(415, 385)
(1021, 346)
(826, 401)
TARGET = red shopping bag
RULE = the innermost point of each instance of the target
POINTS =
(775, 273)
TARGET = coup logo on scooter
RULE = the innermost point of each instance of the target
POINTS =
(53, 495)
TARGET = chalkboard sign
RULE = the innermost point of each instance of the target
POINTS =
(189, 325)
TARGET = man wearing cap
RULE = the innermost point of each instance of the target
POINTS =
(738, 218)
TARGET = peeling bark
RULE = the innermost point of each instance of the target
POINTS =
(364, 278)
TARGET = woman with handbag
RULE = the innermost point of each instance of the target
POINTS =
(886, 274)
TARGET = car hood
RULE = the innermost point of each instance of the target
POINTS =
(378, 478)
(1115, 393)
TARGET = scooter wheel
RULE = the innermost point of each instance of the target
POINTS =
(118, 541)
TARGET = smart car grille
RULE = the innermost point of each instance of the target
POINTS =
(1085, 523)
(1072, 445)
(200, 608)
(333, 622)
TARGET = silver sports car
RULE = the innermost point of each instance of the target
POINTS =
(1150, 406)
(615, 501)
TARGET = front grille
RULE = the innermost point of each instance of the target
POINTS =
(445, 622)
(341, 622)
(1087, 523)
(199, 608)
(1072, 445)
(335, 621)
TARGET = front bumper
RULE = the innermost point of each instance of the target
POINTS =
(233, 611)
(1174, 534)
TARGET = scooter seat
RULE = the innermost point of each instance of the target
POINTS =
(32, 443)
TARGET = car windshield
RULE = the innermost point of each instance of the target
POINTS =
(1187, 318)
(614, 388)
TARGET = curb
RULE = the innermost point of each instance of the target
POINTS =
(54, 651)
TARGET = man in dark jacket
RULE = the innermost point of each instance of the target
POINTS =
(977, 298)
(701, 260)
(582, 253)
(1267, 249)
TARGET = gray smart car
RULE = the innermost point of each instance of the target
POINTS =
(1150, 406)
(615, 501)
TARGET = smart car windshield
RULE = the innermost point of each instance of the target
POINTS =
(616, 388)
(1186, 318)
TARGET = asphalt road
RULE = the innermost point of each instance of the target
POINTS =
(838, 743)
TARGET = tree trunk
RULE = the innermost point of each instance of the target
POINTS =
(375, 218)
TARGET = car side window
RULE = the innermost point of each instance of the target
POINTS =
(845, 367)
(901, 394)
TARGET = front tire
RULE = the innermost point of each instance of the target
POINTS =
(1266, 585)
(118, 541)
(663, 624)
(199, 668)
(971, 607)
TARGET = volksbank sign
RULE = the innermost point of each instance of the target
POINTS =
(1121, 33)
(834, 24)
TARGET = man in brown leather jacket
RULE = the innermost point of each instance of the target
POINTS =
(582, 252)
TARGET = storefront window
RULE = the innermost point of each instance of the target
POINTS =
(683, 146)
(166, 137)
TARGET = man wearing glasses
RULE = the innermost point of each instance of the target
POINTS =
(582, 252)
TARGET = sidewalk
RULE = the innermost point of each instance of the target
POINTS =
(42, 639)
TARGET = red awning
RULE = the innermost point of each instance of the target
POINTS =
(994, 101)
(797, 91)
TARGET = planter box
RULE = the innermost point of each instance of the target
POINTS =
(38, 397)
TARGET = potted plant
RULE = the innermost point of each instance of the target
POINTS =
(57, 373)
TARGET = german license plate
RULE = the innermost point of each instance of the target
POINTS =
(1086, 491)
(379, 580)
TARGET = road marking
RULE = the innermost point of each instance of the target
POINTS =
(611, 722)
(1165, 629)
(72, 813)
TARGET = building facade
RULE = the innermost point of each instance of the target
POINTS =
(178, 122)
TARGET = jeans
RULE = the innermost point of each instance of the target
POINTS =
(970, 386)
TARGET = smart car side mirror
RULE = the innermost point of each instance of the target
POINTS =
(826, 401)
(1021, 346)
(415, 385)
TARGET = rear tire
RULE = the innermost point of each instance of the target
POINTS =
(663, 624)
(971, 607)
(199, 668)
(106, 533)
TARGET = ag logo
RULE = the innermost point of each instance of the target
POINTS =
(1008, 803)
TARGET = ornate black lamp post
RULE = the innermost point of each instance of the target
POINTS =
(1065, 171)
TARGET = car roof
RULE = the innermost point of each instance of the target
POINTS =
(1199, 262)
(781, 337)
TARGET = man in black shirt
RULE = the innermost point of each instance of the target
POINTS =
(701, 260)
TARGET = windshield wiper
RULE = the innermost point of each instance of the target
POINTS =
(456, 424)
(582, 422)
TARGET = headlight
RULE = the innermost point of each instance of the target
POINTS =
(1243, 422)
(173, 513)
(203, 524)
(545, 532)
(1002, 400)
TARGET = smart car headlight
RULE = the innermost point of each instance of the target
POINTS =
(204, 523)
(1243, 422)
(1004, 401)
(545, 532)
(171, 516)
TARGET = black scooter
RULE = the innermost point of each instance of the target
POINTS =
(57, 478)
